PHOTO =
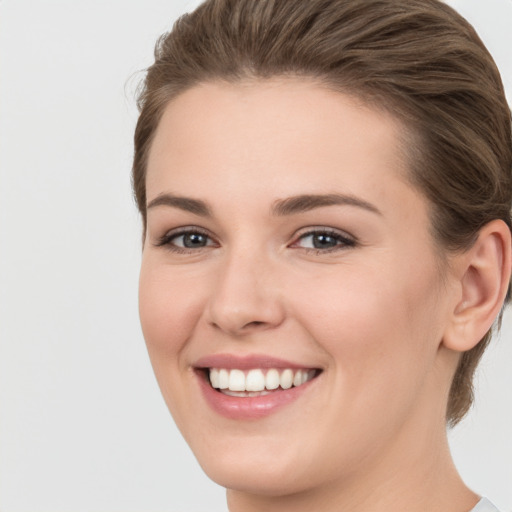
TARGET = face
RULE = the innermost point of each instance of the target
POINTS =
(290, 293)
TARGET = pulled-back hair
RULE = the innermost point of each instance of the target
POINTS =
(417, 59)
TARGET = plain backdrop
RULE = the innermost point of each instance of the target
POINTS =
(82, 425)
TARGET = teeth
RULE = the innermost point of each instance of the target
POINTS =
(214, 378)
(223, 379)
(287, 379)
(236, 380)
(257, 382)
(272, 379)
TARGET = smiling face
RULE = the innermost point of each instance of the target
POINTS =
(285, 249)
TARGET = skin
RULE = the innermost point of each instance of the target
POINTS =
(374, 314)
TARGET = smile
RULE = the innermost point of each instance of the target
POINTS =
(257, 381)
(252, 387)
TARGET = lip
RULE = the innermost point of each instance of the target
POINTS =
(247, 362)
(247, 408)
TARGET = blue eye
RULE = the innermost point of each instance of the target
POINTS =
(191, 240)
(324, 241)
(185, 240)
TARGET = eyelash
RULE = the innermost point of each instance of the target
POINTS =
(167, 239)
(344, 241)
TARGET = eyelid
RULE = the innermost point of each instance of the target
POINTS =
(347, 240)
(165, 240)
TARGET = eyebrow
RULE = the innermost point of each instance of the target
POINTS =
(281, 207)
(187, 204)
(304, 203)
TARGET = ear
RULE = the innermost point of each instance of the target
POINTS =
(484, 276)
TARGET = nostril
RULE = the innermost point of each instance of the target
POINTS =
(253, 324)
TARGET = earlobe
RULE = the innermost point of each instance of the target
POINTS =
(485, 271)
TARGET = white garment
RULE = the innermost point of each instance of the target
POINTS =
(484, 505)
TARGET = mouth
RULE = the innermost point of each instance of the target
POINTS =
(257, 381)
(252, 387)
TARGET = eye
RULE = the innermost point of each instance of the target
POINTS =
(191, 240)
(185, 240)
(324, 240)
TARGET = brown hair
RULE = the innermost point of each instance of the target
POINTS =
(418, 59)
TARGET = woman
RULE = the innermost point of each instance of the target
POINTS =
(326, 192)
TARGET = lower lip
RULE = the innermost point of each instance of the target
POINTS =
(251, 407)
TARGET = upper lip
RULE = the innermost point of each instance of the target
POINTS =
(247, 362)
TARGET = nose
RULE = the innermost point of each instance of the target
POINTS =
(246, 297)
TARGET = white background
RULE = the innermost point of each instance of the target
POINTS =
(82, 424)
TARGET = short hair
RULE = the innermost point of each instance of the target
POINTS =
(417, 59)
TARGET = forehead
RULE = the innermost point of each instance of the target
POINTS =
(274, 137)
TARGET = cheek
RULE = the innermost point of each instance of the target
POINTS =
(377, 327)
(169, 307)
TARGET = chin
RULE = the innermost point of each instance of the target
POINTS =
(255, 477)
(265, 466)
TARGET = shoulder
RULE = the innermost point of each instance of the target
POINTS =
(484, 505)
